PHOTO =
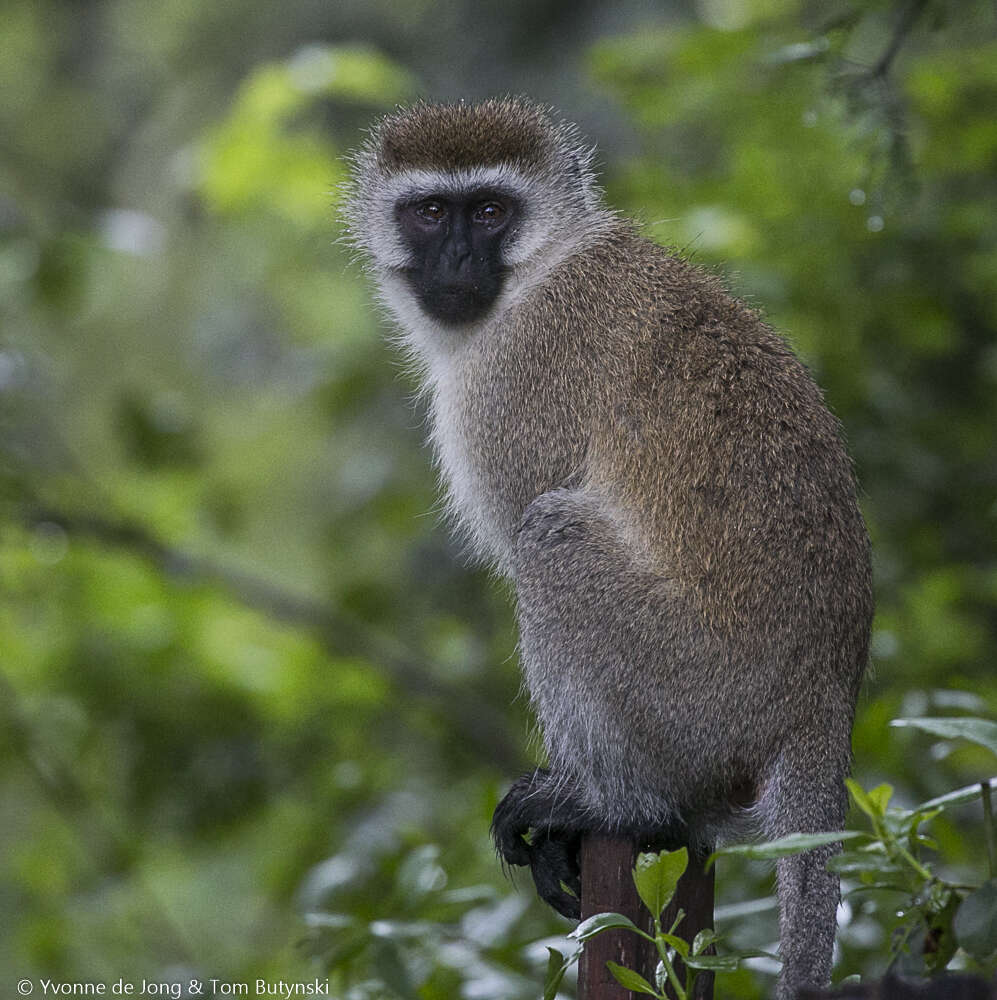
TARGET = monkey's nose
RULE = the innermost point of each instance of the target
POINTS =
(457, 264)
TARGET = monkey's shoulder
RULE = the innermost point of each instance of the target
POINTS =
(645, 309)
(689, 374)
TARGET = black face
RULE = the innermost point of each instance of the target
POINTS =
(457, 243)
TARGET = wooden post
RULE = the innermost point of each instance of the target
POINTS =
(607, 865)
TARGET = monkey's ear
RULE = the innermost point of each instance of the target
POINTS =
(575, 169)
(580, 172)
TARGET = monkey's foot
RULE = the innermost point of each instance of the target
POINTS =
(525, 836)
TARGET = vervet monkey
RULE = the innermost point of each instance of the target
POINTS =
(661, 480)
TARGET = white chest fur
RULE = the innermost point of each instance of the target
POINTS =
(469, 502)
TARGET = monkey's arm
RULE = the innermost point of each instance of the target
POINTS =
(572, 636)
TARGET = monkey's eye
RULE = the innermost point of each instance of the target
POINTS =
(430, 211)
(490, 213)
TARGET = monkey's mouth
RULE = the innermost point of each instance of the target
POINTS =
(458, 290)
(456, 302)
(459, 303)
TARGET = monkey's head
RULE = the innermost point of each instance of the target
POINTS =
(451, 203)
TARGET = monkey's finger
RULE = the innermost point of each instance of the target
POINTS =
(556, 876)
(550, 890)
(512, 848)
(510, 821)
(507, 832)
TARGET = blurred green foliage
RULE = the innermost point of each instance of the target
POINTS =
(256, 710)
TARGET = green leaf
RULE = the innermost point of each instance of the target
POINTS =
(756, 953)
(703, 940)
(975, 923)
(873, 803)
(794, 843)
(657, 876)
(957, 798)
(420, 873)
(631, 980)
(557, 966)
(567, 888)
(918, 817)
(661, 977)
(604, 922)
(715, 963)
(859, 797)
(881, 886)
(983, 732)
(862, 863)
(880, 797)
(389, 961)
(943, 907)
(679, 944)
(728, 962)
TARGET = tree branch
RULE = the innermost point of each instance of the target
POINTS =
(905, 25)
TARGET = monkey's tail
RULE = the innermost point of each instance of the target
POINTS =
(805, 793)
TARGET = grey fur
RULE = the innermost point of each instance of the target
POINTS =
(662, 481)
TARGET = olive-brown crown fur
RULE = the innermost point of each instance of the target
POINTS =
(460, 135)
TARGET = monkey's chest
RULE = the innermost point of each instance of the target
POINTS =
(499, 446)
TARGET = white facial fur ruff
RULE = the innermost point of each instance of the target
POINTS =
(556, 218)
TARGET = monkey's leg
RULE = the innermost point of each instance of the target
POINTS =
(588, 626)
(805, 793)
